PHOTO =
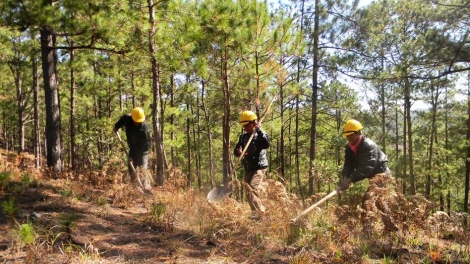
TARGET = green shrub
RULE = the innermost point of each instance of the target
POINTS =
(9, 207)
(26, 233)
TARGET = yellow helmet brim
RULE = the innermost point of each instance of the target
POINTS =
(139, 120)
(347, 133)
(242, 123)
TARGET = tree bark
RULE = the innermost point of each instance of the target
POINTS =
(467, 161)
(313, 128)
(51, 92)
(209, 135)
(446, 147)
(158, 139)
(410, 135)
(172, 123)
(197, 138)
(73, 145)
(16, 70)
(297, 112)
(188, 146)
(37, 137)
(227, 170)
(282, 151)
(382, 113)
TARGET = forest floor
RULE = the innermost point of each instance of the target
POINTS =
(96, 218)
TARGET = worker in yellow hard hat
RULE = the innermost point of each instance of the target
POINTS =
(138, 139)
(254, 160)
(364, 160)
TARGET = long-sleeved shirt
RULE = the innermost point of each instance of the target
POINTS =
(138, 136)
(368, 161)
(255, 157)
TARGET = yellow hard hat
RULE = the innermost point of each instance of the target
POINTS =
(138, 115)
(351, 126)
(246, 117)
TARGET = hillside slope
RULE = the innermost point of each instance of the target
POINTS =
(96, 218)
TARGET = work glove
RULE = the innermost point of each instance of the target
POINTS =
(229, 185)
(239, 151)
(344, 185)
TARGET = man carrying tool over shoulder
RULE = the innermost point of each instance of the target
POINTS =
(254, 160)
(138, 139)
(364, 159)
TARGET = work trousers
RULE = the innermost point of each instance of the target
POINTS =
(138, 161)
(254, 180)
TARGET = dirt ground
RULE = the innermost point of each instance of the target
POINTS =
(97, 226)
(96, 218)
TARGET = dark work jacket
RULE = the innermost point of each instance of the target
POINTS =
(138, 137)
(256, 153)
(368, 161)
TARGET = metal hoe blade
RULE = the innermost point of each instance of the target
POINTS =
(218, 194)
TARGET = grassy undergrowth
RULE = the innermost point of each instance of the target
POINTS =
(97, 218)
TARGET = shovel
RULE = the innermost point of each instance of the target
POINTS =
(219, 193)
(141, 187)
(313, 206)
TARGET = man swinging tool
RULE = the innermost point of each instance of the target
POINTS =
(364, 160)
(254, 161)
(138, 139)
(219, 193)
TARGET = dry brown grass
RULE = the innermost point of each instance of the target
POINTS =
(124, 226)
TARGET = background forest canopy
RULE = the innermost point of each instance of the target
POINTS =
(77, 66)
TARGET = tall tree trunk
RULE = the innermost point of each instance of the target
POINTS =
(16, 69)
(37, 132)
(21, 107)
(409, 135)
(209, 135)
(97, 112)
(188, 145)
(133, 89)
(227, 170)
(172, 123)
(158, 138)
(431, 137)
(467, 161)
(6, 134)
(51, 92)
(397, 137)
(382, 112)
(297, 111)
(197, 138)
(73, 145)
(282, 151)
(313, 128)
(446, 147)
(405, 150)
(162, 122)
